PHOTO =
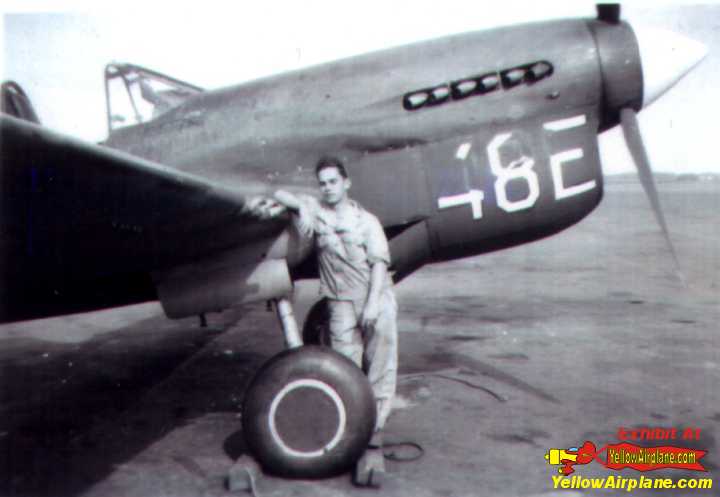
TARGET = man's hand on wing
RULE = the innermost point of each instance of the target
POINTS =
(264, 207)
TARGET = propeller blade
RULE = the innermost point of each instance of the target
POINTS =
(633, 138)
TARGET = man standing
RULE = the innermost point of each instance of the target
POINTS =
(353, 260)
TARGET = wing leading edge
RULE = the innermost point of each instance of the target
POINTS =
(77, 216)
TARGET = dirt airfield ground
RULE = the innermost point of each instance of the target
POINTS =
(568, 339)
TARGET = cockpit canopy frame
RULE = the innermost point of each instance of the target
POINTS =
(135, 94)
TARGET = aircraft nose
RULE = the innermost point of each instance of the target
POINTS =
(665, 58)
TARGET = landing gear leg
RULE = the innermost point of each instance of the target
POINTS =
(289, 325)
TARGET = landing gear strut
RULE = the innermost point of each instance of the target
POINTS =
(289, 325)
(309, 412)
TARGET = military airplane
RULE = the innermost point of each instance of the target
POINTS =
(461, 146)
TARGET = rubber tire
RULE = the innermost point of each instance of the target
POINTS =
(316, 330)
(312, 363)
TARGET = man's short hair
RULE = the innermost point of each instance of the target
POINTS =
(328, 162)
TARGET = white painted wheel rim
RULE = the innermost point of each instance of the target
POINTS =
(337, 401)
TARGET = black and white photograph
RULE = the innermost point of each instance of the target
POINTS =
(338, 249)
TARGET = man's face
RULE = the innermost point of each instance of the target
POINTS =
(333, 186)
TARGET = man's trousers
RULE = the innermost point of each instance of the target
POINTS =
(374, 350)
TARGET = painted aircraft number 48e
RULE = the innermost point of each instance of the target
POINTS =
(521, 169)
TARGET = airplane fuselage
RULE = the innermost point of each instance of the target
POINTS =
(490, 98)
(462, 145)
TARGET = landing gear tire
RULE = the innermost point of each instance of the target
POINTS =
(308, 413)
(316, 330)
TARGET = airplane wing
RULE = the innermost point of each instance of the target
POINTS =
(73, 213)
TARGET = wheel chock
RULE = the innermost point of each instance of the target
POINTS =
(370, 469)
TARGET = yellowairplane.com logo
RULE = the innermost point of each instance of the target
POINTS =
(629, 455)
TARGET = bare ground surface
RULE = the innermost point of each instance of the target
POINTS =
(503, 357)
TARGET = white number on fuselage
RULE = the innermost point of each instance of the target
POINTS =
(473, 197)
(518, 169)
(521, 169)
(560, 159)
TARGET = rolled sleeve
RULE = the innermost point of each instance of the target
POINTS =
(376, 243)
(304, 219)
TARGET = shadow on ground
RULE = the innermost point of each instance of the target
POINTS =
(70, 411)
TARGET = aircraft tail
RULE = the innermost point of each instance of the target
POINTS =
(15, 102)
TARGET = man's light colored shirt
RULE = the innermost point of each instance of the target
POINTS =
(348, 242)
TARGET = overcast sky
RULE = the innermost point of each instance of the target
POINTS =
(57, 52)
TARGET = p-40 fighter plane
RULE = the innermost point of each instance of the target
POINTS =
(460, 145)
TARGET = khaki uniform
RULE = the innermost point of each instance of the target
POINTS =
(348, 243)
